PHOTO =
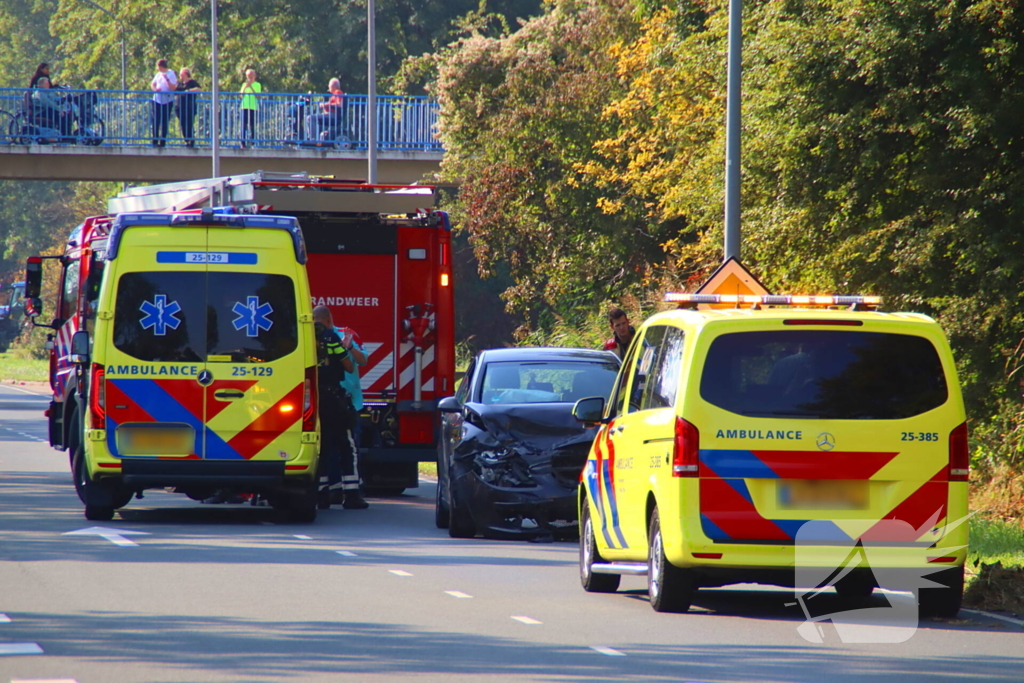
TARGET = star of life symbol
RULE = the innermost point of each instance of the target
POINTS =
(160, 315)
(824, 564)
(252, 316)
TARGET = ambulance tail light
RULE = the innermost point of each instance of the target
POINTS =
(309, 400)
(98, 397)
(686, 450)
(959, 455)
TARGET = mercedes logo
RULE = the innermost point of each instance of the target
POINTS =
(205, 378)
(826, 441)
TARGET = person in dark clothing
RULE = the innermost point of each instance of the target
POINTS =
(333, 362)
(187, 87)
(336, 420)
(623, 333)
(42, 71)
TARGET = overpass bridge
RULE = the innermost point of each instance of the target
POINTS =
(108, 135)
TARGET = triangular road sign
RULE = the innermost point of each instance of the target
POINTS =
(731, 277)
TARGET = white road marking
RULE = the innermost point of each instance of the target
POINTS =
(20, 649)
(345, 553)
(43, 680)
(303, 537)
(1015, 622)
(115, 536)
(458, 594)
(607, 651)
(527, 620)
(4, 619)
(27, 436)
(399, 572)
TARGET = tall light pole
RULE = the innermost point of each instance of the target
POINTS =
(371, 97)
(214, 95)
(732, 132)
(120, 27)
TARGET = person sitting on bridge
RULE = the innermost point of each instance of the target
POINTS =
(49, 107)
(332, 116)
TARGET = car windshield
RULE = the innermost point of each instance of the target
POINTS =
(175, 316)
(546, 381)
(823, 374)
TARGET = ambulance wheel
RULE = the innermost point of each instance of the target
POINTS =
(593, 583)
(441, 513)
(670, 588)
(100, 513)
(943, 603)
(460, 523)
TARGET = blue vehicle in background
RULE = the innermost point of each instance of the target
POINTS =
(12, 312)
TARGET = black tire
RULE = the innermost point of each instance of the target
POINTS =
(855, 587)
(460, 523)
(942, 603)
(385, 492)
(298, 508)
(93, 134)
(593, 583)
(441, 512)
(670, 588)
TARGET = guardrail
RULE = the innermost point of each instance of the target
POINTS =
(283, 120)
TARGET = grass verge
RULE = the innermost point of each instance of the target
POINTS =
(14, 366)
(995, 566)
(428, 468)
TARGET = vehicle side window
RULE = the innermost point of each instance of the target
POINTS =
(648, 357)
(69, 293)
(663, 381)
(462, 393)
(617, 404)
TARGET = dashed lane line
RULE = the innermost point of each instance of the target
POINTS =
(345, 553)
(527, 620)
(399, 572)
(607, 651)
(303, 537)
(27, 436)
(20, 649)
(458, 594)
(4, 619)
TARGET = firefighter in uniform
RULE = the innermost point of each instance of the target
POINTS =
(333, 362)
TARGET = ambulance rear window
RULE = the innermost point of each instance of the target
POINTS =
(824, 374)
(181, 316)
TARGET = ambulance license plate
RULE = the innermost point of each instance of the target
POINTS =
(822, 494)
(155, 439)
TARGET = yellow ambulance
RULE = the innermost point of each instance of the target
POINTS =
(778, 438)
(196, 362)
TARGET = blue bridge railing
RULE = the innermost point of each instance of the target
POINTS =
(123, 118)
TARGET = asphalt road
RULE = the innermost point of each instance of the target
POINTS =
(178, 591)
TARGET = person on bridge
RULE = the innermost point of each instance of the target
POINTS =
(42, 71)
(250, 106)
(333, 362)
(331, 118)
(163, 85)
(187, 86)
(48, 107)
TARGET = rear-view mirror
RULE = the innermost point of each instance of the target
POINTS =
(589, 409)
(33, 277)
(449, 404)
(33, 307)
(80, 347)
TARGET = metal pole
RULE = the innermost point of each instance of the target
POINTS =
(732, 132)
(120, 26)
(214, 94)
(371, 97)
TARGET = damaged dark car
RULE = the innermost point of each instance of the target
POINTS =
(511, 452)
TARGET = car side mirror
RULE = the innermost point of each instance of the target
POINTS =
(33, 277)
(589, 410)
(449, 404)
(33, 306)
(80, 347)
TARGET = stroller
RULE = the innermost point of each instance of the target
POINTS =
(76, 122)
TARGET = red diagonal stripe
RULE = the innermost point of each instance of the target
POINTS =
(824, 464)
(268, 426)
(131, 411)
(213, 406)
(915, 510)
(734, 514)
(187, 392)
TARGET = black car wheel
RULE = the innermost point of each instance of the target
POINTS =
(855, 587)
(670, 588)
(942, 602)
(460, 523)
(593, 583)
(441, 513)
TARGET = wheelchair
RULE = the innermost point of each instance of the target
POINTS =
(77, 123)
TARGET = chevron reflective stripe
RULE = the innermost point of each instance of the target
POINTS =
(407, 365)
(379, 364)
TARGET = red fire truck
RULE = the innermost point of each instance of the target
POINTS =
(379, 258)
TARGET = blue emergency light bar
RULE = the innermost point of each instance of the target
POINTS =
(220, 217)
(773, 299)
